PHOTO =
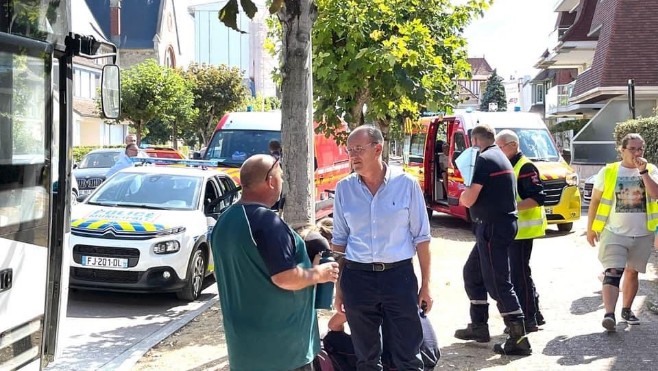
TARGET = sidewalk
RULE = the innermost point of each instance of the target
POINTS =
(565, 269)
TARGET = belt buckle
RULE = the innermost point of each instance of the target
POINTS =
(376, 265)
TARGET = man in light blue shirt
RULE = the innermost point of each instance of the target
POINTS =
(380, 222)
(124, 160)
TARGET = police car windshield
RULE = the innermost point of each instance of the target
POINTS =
(536, 144)
(99, 160)
(232, 147)
(151, 191)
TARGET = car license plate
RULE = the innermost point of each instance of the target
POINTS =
(549, 210)
(96, 261)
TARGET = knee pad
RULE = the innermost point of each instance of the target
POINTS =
(613, 276)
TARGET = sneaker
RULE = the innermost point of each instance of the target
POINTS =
(628, 316)
(609, 322)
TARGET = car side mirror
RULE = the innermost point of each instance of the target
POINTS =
(111, 91)
(81, 198)
(75, 165)
(196, 155)
(454, 157)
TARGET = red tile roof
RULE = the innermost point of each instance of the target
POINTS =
(479, 66)
(582, 23)
(627, 46)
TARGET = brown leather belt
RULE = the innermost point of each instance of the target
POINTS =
(375, 267)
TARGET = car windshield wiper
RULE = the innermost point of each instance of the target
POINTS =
(101, 203)
(142, 206)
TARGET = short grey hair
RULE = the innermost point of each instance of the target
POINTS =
(507, 136)
(374, 134)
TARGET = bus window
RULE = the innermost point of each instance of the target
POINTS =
(24, 194)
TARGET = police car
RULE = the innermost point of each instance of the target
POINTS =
(147, 228)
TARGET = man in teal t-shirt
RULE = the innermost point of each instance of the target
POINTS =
(265, 278)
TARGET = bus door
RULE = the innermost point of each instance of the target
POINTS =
(25, 196)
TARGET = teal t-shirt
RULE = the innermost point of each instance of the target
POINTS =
(267, 327)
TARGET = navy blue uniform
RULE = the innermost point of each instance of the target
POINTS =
(529, 186)
(494, 214)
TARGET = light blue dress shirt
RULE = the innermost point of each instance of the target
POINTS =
(123, 162)
(384, 228)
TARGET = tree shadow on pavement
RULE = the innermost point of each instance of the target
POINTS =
(473, 356)
(630, 348)
(587, 304)
(451, 228)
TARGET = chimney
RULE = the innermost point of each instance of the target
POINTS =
(115, 22)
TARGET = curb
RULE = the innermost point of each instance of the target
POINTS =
(128, 359)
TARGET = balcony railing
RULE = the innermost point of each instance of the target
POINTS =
(557, 98)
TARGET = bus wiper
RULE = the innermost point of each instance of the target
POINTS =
(101, 204)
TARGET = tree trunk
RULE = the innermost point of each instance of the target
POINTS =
(138, 129)
(362, 97)
(383, 126)
(297, 17)
(173, 134)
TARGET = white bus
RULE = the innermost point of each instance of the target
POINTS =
(36, 59)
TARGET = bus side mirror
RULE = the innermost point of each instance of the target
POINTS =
(111, 91)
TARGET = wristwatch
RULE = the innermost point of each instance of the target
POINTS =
(644, 172)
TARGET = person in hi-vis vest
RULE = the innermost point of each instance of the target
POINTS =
(530, 197)
(622, 218)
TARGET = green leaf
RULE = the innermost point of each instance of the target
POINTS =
(276, 6)
(229, 15)
(249, 8)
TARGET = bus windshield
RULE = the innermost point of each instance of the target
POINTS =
(536, 144)
(232, 147)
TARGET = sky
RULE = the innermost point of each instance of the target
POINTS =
(512, 35)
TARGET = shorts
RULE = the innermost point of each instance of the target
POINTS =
(617, 251)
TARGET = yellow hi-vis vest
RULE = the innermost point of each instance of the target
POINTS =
(607, 199)
(532, 222)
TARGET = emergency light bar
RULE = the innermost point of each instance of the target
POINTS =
(174, 161)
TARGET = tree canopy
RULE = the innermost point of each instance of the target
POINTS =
(494, 93)
(395, 57)
(150, 91)
(216, 90)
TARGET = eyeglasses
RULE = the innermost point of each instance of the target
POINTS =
(633, 149)
(357, 150)
(506, 144)
(276, 161)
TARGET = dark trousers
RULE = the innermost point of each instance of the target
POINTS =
(377, 302)
(487, 271)
(521, 275)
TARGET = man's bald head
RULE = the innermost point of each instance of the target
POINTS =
(254, 170)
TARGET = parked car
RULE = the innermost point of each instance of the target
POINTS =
(163, 152)
(91, 171)
(146, 229)
(588, 187)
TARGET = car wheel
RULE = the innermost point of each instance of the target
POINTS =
(565, 227)
(196, 272)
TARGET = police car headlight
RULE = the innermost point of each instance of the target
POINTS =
(166, 247)
(572, 179)
(171, 231)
